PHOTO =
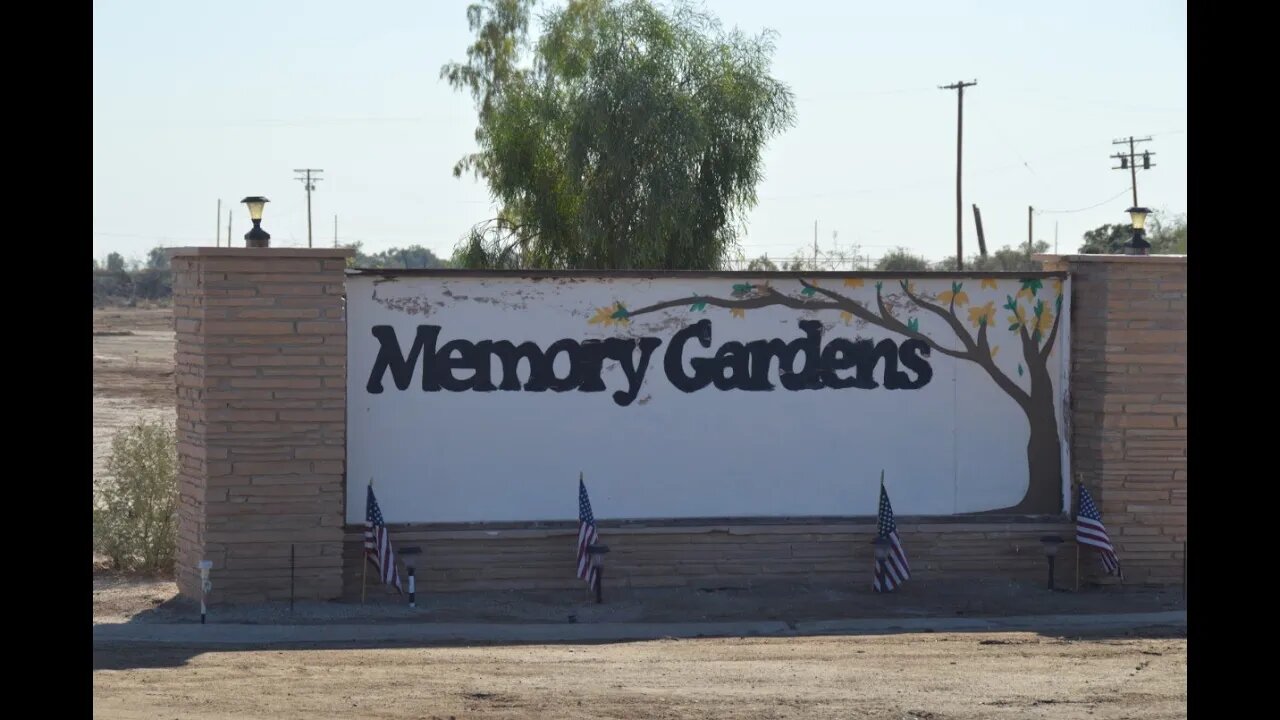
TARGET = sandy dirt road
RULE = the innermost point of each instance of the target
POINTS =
(922, 676)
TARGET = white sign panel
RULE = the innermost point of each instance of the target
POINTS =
(482, 397)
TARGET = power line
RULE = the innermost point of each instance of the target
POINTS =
(310, 184)
(1063, 212)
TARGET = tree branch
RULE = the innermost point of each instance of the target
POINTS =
(956, 326)
(887, 321)
(981, 355)
(1053, 333)
(766, 299)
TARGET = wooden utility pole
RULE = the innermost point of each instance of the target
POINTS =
(982, 239)
(1130, 161)
(309, 183)
(228, 228)
(217, 231)
(815, 244)
(959, 88)
(1030, 213)
(335, 231)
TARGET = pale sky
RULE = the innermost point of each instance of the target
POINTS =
(196, 102)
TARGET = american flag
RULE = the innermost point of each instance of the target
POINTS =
(896, 570)
(587, 535)
(377, 543)
(1090, 531)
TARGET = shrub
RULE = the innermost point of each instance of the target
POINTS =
(134, 506)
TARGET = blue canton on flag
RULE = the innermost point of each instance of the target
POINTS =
(587, 535)
(377, 543)
(1090, 531)
(895, 569)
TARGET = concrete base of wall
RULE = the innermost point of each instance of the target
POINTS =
(732, 554)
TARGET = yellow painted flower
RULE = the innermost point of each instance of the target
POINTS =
(853, 282)
(994, 351)
(985, 315)
(1046, 321)
(846, 316)
(1057, 285)
(1025, 293)
(608, 316)
(988, 283)
(738, 312)
(1018, 317)
(946, 297)
(603, 316)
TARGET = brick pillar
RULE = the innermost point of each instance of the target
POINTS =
(1129, 405)
(261, 391)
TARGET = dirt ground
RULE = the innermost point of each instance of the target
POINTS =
(132, 372)
(935, 676)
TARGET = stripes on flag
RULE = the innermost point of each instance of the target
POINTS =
(377, 543)
(1090, 531)
(587, 535)
(895, 570)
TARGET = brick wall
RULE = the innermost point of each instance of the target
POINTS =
(261, 394)
(1129, 405)
(261, 364)
(716, 553)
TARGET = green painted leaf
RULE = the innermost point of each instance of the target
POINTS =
(742, 289)
(1058, 304)
(809, 292)
(1039, 309)
(955, 287)
(1010, 303)
(1019, 369)
(913, 324)
(879, 286)
(1032, 284)
(1013, 327)
(620, 314)
(1035, 336)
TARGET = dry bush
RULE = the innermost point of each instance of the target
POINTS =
(134, 506)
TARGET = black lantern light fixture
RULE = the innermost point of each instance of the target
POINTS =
(257, 237)
(1138, 245)
(1051, 544)
(596, 553)
(410, 557)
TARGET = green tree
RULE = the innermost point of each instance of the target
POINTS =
(115, 262)
(631, 138)
(902, 260)
(1107, 239)
(157, 259)
(1006, 259)
(413, 256)
(762, 264)
(1167, 235)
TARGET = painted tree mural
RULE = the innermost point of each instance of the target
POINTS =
(1033, 318)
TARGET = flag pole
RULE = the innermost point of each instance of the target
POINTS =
(364, 559)
(1075, 494)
